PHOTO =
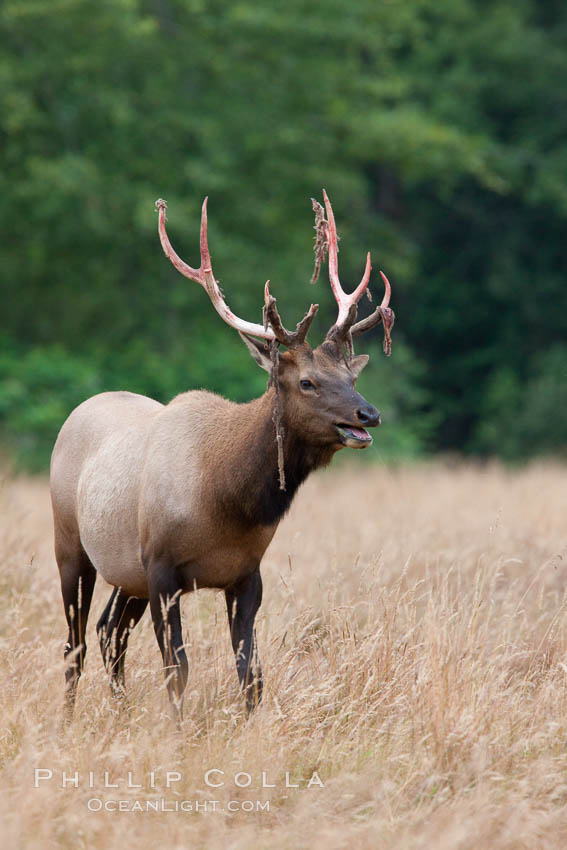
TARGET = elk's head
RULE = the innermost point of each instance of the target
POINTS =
(315, 388)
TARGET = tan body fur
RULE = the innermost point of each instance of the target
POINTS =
(130, 476)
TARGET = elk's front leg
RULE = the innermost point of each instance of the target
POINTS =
(242, 602)
(165, 592)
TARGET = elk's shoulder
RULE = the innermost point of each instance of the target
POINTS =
(205, 400)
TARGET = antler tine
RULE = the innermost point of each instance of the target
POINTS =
(283, 336)
(203, 239)
(343, 300)
(383, 314)
(387, 290)
(184, 268)
(204, 275)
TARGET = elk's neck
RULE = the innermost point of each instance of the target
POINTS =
(254, 487)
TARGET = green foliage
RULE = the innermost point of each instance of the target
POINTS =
(437, 127)
(397, 387)
(527, 417)
(37, 392)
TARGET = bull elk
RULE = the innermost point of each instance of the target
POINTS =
(161, 500)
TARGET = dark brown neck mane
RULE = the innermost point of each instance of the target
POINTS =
(253, 495)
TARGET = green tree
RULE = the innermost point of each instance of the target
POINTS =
(436, 127)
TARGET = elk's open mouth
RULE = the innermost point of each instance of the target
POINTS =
(354, 438)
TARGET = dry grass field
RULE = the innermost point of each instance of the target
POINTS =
(414, 641)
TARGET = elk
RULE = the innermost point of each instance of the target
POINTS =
(165, 499)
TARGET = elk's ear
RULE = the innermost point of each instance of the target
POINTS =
(259, 351)
(358, 363)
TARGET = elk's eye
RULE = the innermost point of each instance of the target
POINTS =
(306, 385)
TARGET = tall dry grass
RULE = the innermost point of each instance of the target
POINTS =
(413, 635)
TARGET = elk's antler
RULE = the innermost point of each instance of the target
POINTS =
(383, 314)
(272, 329)
(345, 327)
(344, 301)
(272, 317)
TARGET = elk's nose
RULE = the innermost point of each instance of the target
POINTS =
(368, 415)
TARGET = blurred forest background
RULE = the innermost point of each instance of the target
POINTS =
(438, 128)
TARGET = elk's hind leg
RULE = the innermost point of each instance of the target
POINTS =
(119, 618)
(78, 578)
